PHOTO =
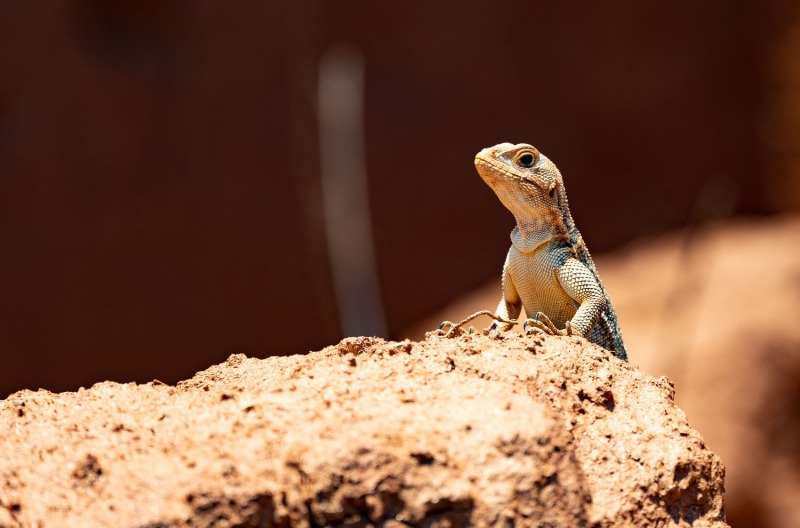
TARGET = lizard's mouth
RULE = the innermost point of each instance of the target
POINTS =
(492, 169)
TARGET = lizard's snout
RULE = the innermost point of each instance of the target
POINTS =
(485, 153)
(493, 152)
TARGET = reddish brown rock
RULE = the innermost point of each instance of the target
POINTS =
(444, 432)
(715, 309)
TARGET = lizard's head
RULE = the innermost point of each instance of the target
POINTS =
(527, 183)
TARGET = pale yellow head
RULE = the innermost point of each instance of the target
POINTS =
(529, 185)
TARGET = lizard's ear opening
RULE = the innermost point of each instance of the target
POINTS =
(552, 191)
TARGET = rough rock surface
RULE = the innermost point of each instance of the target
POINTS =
(538, 431)
(715, 310)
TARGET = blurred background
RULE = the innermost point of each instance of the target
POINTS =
(180, 181)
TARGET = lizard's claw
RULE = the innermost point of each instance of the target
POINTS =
(536, 328)
(493, 331)
(542, 323)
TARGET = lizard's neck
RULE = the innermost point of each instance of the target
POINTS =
(529, 234)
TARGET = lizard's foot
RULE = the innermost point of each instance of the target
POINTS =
(451, 329)
(454, 329)
(540, 323)
(448, 327)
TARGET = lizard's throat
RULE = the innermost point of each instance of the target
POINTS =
(535, 223)
(530, 233)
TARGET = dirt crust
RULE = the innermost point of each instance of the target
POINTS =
(473, 430)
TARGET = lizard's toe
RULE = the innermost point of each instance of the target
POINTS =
(533, 326)
(452, 329)
(541, 318)
(541, 324)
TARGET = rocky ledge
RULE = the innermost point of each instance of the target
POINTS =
(473, 430)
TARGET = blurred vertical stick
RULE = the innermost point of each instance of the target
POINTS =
(344, 191)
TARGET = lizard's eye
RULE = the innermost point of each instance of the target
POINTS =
(526, 159)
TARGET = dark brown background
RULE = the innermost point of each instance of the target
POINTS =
(159, 169)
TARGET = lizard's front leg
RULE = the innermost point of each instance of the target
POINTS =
(510, 304)
(581, 285)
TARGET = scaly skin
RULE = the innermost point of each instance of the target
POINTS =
(548, 270)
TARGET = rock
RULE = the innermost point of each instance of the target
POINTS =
(538, 431)
(714, 309)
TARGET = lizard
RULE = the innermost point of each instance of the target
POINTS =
(548, 269)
